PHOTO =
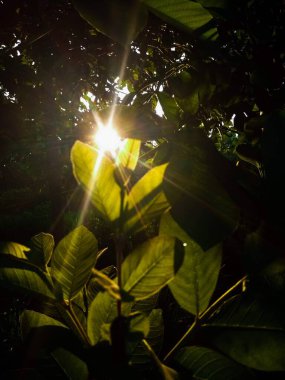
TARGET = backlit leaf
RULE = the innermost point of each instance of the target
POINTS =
(95, 172)
(149, 267)
(15, 249)
(185, 14)
(72, 261)
(146, 199)
(42, 246)
(22, 276)
(195, 281)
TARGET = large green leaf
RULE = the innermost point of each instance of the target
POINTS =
(154, 338)
(72, 261)
(204, 363)
(42, 246)
(30, 319)
(146, 199)
(250, 328)
(95, 172)
(73, 367)
(195, 281)
(24, 277)
(185, 14)
(102, 311)
(199, 202)
(11, 248)
(121, 21)
(149, 267)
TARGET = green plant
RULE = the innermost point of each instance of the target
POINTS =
(108, 323)
(119, 317)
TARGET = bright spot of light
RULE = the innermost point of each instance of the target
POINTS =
(184, 244)
(107, 139)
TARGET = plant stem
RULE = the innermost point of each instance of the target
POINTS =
(119, 248)
(78, 324)
(197, 323)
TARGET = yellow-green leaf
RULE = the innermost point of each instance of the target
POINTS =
(95, 172)
(146, 199)
(72, 262)
(149, 267)
(15, 249)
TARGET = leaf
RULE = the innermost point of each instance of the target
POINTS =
(250, 328)
(25, 277)
(184, 14)
(95, 172)
(149, 267)
(101, 311)
(200, 204)
(30, 319)
(93, 287)
(121, 21)
(42, 246)
(169, 106)
(15, 249)
(128, 155)
(163, 372)
(154, 338)
(146, 200)
(71, 364)
(107, 284)
(204, 363)
(72, 261)
(136, 122)
(195, 281)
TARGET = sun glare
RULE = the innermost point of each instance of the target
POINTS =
(108, 140)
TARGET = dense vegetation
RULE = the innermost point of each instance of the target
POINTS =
(182, 234)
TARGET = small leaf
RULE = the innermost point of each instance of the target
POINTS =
(107, 284)
(149, 267)
(184, 14)
(128, 154)
(195, 281)
(93, 287)
(146, 200)
(169, 106)
(95, 172)
(18, 250)
(250, 328)
(204, 363)
(72, 261)
(42, 246)
(24, 277)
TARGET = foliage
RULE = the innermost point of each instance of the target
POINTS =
(192, 203)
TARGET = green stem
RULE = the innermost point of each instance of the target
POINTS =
(197, 323)
(78, 325)
(119, 248)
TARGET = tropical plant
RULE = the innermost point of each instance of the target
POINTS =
(193, 201)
